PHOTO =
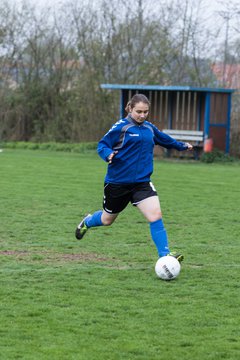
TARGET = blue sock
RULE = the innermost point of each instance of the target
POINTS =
(94, 220)
(159, 236)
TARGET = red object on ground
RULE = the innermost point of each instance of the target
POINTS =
(208, 145)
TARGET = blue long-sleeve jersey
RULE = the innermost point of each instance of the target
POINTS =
(134, 142)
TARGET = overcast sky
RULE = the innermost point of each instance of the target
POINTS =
(212, 5)
(210, 11)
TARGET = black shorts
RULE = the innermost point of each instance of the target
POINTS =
(117, 196)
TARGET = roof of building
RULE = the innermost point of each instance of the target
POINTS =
(166, 88)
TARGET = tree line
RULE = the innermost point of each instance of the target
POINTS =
(53, 60)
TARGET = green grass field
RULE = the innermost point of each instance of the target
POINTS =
(100, 298)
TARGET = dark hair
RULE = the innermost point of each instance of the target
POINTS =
(137, 98)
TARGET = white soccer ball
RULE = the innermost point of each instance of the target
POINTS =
(167, 267)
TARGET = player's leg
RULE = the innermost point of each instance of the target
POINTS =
(99, 218)
(151, 210)
(115, 199)
(146, 199)
(108, 219)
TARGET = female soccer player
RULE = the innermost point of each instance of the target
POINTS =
(128, 149)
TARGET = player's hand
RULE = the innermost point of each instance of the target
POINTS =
(111, 156)
(189, 146)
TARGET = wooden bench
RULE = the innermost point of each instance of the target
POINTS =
(194, 137)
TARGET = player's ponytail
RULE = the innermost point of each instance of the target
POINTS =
(128, 107)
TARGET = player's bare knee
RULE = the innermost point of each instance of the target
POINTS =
(108, 221)
(157, 215)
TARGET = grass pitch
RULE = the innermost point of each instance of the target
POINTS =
(99, 298)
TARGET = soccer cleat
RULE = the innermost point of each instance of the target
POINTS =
(179, 257)
(81, 229)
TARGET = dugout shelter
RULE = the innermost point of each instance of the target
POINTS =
(183, 108)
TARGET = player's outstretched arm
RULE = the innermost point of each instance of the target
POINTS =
(189, 146)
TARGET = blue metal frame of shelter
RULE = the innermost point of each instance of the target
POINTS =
(207, 93)
(228, 123)
(207, 115)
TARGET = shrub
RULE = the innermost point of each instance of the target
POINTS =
(51, 146)
(216, 156)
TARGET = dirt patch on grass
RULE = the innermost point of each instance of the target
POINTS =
(14, 253)
(86, 256)
(47, 256)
